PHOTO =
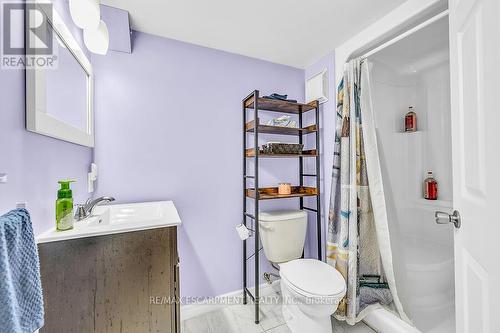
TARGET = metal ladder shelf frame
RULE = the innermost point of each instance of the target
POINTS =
(255, 177)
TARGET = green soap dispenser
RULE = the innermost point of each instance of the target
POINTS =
(64, 206)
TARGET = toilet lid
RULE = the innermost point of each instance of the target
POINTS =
(313, 277)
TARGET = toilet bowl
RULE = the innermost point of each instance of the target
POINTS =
(311, 289)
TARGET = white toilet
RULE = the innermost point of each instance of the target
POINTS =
(311, 289)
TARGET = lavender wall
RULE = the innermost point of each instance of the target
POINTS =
(34, 162)
(117, 21)
(168, 126)
(327, 125)
(58, 97)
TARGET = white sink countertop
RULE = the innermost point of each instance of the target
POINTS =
(114, 219)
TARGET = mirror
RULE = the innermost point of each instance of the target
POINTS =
(59, 98)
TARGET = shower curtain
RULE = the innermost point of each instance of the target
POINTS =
(358, 243)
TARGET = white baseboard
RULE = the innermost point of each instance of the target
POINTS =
(218, 302)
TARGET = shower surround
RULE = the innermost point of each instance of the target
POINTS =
(415, 72)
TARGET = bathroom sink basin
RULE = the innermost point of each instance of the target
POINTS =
(148, 213)
(113, 219)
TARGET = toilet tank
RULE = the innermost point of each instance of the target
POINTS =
(283, 234)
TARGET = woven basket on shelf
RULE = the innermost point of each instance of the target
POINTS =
(282, 148)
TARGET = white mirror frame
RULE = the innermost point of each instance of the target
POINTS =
(38, 120)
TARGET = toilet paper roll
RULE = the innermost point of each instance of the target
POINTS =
(243, 231)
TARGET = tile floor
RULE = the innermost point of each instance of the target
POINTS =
(239, 318)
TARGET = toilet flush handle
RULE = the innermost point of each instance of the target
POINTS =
(266, 227)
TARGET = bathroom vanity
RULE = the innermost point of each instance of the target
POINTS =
(117, 271)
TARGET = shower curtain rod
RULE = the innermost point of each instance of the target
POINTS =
(405, 34)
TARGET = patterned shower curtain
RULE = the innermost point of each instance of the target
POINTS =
(355, 235)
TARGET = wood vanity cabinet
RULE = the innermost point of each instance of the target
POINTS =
(126, 282)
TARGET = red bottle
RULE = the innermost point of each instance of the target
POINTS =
(411, 121)
(430, 187)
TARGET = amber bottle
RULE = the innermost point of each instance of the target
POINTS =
(430, 187)
(411, 121)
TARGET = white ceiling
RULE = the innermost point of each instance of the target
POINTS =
(290, 32)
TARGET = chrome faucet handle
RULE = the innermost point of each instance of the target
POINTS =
(80, 213)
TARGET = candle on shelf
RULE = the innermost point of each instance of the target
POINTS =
(284, 189)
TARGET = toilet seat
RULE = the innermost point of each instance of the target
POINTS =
(312, 278)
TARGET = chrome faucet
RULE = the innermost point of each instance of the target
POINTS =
(85, 210)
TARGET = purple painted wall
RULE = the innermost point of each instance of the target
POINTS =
(168, 127)
(69, 72)
(117, 21)
(34, 163)
(327, 124)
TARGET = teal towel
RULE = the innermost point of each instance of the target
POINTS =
(21, 309)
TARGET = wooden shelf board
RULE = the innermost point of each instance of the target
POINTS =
(250, 127)
(250, 152)
(275, 105)
(269, 193)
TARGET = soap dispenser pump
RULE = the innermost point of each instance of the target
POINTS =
(64, 206)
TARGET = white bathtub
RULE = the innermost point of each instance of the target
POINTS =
(429, 294)
(383, 321)
(426, 291)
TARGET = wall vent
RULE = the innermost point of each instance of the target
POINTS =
(317, 87)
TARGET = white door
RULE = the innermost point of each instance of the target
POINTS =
(475, 93)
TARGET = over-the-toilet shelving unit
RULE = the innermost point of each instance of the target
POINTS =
(253, 101)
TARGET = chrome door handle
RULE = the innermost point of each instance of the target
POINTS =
(444, 218)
